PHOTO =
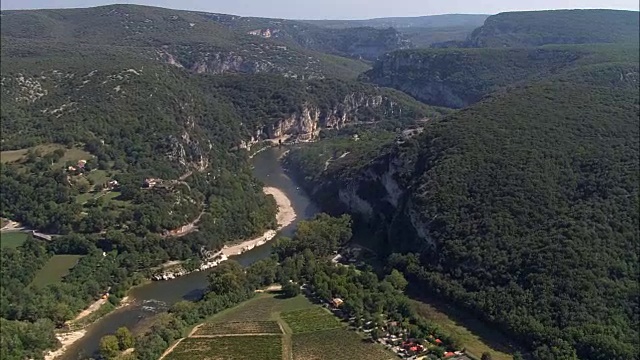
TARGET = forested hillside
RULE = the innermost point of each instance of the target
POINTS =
(460, 77)
(419, 31)
(182, 38)
(522, 208)
(535, 28)
(362, 41)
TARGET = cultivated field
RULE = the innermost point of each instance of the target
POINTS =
(264, 306)
(310, 333)
(12, 239)
(310, 320)
(55, 269)
(336, 344)
(248, 347)
(238, 327)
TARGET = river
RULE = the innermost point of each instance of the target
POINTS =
(158, 296)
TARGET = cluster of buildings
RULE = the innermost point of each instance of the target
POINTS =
(79, 168)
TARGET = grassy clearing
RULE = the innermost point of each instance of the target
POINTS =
(239, 327)
(336, 344)
(309, 320)
(265, 306)
(12, 239)
(55, 269)
(99, 177)
(73, 154)
(266, 347)
(12, 155)
(482, 339)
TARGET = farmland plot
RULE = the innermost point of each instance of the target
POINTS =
(265, 347)
(336, 344)
(238, 327)
(313, 319)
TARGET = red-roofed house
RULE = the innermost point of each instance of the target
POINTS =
(448, 354)
(438, 341)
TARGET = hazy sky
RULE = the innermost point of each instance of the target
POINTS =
(339, 9)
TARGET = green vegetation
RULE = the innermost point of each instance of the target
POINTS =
(459, 77)
(13, 239)
(188, 38)
(263, 307)
(476, 337)
(505, 205)
(336, 344)
(239, 327)
(265, 347)
(535, 28)
(303, 260)
(310, 320)
(55, 269)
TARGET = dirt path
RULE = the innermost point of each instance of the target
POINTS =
(286, 215)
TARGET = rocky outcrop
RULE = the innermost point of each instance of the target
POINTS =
(305, 125)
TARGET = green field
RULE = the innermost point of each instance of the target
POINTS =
(336, 344)
(73, 154)
(482, 339)
(55, 269)
(248, 347)
(263, 307)
(12, 239)
(239, 327)
(310, 320)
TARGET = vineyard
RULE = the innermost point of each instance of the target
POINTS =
(246, 347)
(336, 344)
(268, 327)
(309, 320)
(238, 327)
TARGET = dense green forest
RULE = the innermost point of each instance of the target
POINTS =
(522, 208)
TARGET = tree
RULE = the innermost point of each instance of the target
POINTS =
(125, 339)
(517, 356)
(486, 356)
(109, 347)
(397, 280)
(291, 289)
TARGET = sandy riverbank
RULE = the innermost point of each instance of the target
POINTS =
(69, 338)
(285, 216)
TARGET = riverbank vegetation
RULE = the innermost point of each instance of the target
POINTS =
(303, 260)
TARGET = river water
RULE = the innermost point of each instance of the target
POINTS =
(160, 295)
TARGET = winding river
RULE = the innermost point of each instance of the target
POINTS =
(158, 296)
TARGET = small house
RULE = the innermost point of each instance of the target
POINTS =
(448, 354)
(438, 341)
(111, 184)
(81, 164)
(337, 302)
(71, 169)
(150, 182)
